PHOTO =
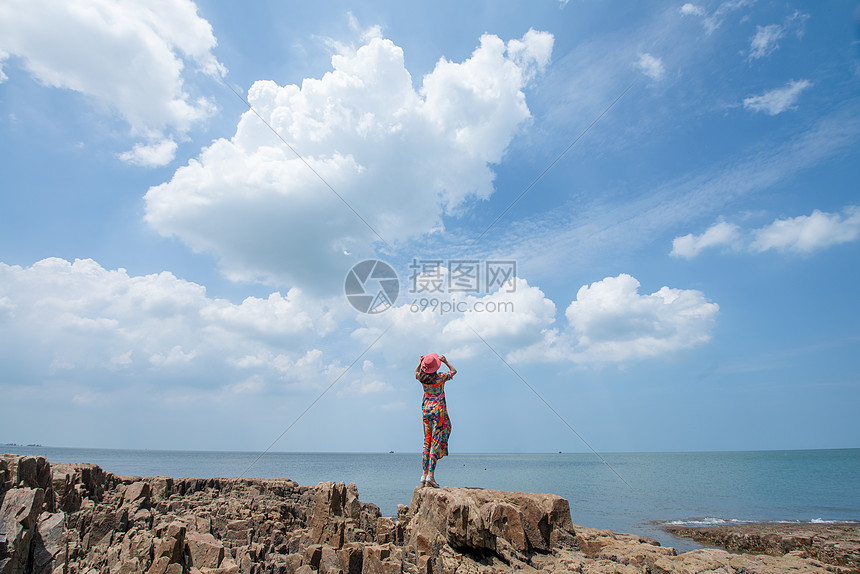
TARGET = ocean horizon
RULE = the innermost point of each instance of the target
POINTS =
(629, 492)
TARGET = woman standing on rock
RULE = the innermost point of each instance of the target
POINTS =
(437, 425)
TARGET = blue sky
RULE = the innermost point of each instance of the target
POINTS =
(172, 273)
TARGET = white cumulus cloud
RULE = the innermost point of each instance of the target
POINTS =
(808, 233)
(80, 321)
(390, 151)
(610, 321)
(505, 318)
(779, 100)
(151, 155)
(690, 245)
(127, 56)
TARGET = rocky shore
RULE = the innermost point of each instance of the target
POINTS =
(829, 543)
(79, 519)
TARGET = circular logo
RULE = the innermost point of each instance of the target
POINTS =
(371, 286)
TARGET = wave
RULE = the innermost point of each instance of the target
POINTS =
(718, 521)
(705, 521)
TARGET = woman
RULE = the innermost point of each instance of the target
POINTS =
(437, 425)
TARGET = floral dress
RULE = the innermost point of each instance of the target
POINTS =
(437, 424)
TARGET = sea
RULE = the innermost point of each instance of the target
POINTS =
(637, 493)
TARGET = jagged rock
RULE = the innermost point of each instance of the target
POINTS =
(227, 567)
(510, 524)
(376, 560)
(172, 542)
(25, 471)
(18, 515)
(351, 558)
(330, 561)
(204, 550)
(385, 530)
(137, 494)
(5, 479)
(49, 544)
(28, 472)
(338, 517)
(289, 563)
(161, 487)
(162, 565)
(313, 555)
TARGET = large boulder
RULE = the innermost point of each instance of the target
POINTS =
(18, 516)
(49, 543)
(508, 524)
(27, 472)
(204, 550)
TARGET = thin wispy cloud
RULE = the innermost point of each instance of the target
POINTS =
(651, 67)
(765, 41)
(690, 9)
(715, 18)
(592, 73)
(577, 234)
(779, 100)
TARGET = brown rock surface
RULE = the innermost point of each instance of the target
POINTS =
(510, 525)
(18, 518)
(79, 519)
(836, 544)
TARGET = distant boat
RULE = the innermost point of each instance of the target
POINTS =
(390, 452)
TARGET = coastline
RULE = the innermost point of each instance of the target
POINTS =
(730, 486)
(76, 517)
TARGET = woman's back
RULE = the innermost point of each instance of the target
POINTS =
(434, 383)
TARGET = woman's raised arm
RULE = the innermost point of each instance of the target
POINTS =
(418, 368)
(447, 364)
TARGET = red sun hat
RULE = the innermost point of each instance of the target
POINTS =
(430, 363)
